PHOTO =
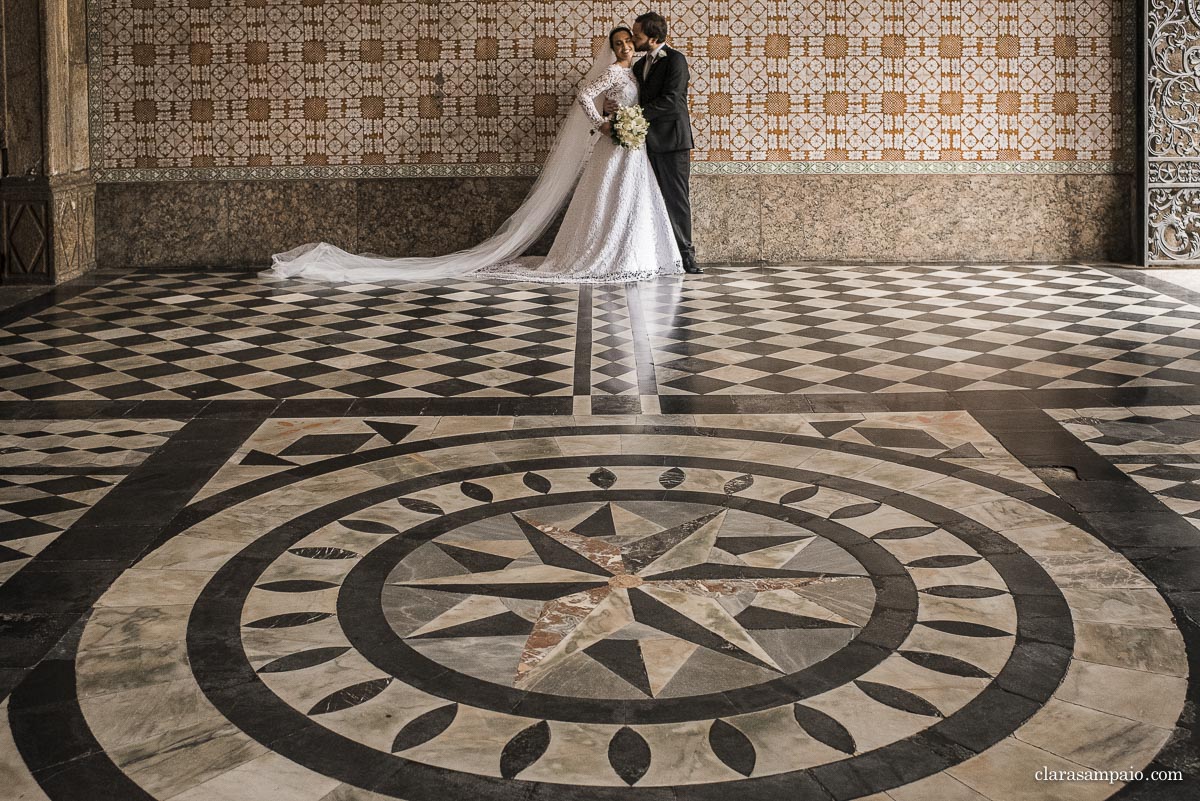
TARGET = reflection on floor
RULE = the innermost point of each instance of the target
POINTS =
(767, 533)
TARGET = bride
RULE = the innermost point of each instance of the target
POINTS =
(615, 229)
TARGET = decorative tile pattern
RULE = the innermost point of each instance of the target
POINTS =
(204, 337)
(614, 363)
(491, 605)
(734, 331)
(1157, 446)
(914, 328)
(52, 472)
(328, 85)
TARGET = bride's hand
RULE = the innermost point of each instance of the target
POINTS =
(606, 128)
(610, 106)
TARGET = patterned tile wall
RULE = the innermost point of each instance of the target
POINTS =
(317, 84)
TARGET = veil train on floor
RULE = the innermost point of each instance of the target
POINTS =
(550, 192)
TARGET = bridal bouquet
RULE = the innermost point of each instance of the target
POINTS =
(629, 127)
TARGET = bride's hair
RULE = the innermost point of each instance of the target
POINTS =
(615, 31)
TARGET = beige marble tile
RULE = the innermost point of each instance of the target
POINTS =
(348, 536)
(1151, 650)
(848, 465)
(473, 742)
(682, 755)
(261, 604)
(779, 454)
(143, 626)
(887, 518)
(1134, 694)
(589, 444)
(270, 776)
(780, 744)
(954, 493)
(941, 786)
(1143, 608)
(578, 754)
(947, 693)
(455, 426)
(532, 448)
(125, 667)
(1093, 738)
(1007, 513)
(1054, 539)
(936, 543)
(399, 468)
(898, 477)
(869, 722)
(1093, 570)
(377, 722)
(1001, 467)
(146, 712)
(1007, 772)
(302, 689)
(290, 566)
(987, 653)
(998, 611)
(178, 760)
(191, 553)
(142, 587)
(348, 792)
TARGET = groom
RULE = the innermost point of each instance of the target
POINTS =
(662, 77)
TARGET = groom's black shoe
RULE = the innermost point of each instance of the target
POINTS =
(690, 266)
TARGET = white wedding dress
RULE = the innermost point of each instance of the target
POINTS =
(615, 229)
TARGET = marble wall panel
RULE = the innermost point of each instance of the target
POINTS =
(264, 217)
(777, 218)
(416, 217)
(148, 226)
(946, 218)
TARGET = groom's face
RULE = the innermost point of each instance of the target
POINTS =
(641, 42)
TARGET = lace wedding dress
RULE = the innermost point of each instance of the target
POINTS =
(615, 229)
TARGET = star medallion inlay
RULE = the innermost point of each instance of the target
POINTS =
(619, 605)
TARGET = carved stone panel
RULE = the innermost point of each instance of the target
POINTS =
(26, 221)
(1172, 133)
(48, 228)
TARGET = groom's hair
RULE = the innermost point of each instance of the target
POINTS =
(653, 25)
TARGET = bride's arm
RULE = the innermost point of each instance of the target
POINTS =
(588, 94)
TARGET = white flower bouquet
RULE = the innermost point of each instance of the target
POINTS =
(629, 127)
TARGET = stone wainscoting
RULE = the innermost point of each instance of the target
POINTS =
(776, 218)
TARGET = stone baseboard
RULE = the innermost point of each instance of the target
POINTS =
(780, 218)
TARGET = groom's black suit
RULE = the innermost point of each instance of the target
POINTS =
(662, 95)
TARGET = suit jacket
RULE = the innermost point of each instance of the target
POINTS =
(663, 97)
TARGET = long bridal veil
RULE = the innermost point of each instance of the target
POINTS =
(552, 189)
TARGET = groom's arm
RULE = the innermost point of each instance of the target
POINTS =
(674, 94)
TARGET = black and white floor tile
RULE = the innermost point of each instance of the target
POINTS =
(202, 337)
(770, 330)
(916, 329)
(1157, 446)
(768, 533)
(52, 472)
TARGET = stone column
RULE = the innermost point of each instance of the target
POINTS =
(47, 193)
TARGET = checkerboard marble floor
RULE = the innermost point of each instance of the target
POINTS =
(774, 532)
(762, 331)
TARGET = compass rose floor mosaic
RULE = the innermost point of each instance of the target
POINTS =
(887, 533)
